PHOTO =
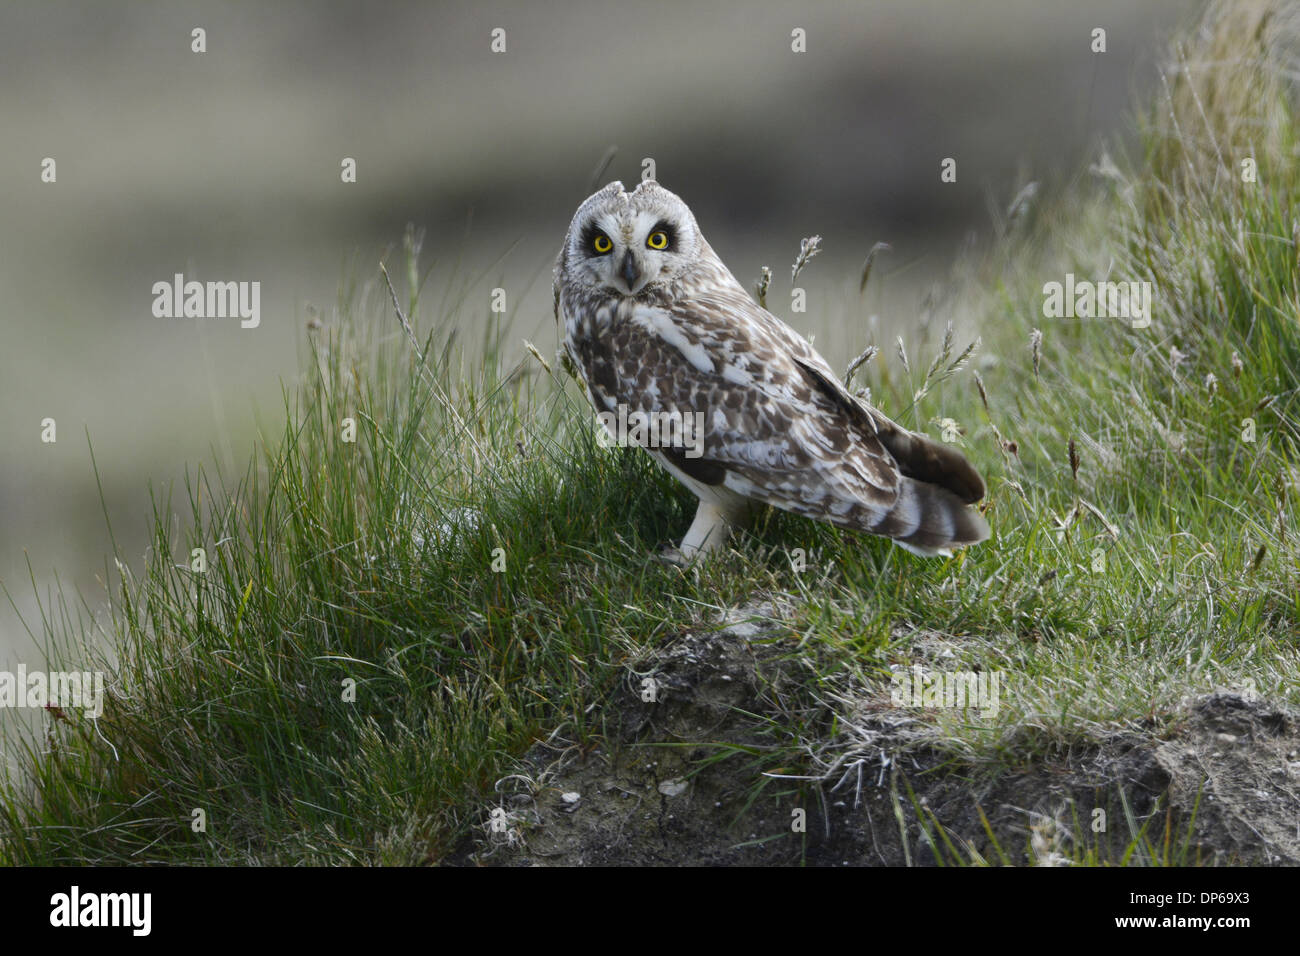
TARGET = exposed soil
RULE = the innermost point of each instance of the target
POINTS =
(677, 781)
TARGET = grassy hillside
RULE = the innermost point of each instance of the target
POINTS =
(387, 625)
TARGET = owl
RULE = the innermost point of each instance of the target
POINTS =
(677, 357)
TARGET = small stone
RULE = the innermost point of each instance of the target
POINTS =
(673, 788)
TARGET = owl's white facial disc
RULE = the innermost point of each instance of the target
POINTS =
(625, 243)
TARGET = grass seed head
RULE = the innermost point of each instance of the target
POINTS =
(760, 287)
(807, 249)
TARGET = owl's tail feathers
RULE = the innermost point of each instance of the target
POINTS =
(930, 520)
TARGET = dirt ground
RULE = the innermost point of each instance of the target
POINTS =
(679, 781)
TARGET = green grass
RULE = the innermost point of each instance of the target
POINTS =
(385, 625)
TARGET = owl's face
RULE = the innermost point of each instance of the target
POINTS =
(624, 243)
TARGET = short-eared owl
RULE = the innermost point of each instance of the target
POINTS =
(663, 334)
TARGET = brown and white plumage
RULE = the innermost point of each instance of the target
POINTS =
(671, 330)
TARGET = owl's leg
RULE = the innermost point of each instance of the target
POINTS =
(708, 532)
(720, 510)
(711, 528)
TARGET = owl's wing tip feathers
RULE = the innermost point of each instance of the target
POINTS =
(925, 459)
(917, 456)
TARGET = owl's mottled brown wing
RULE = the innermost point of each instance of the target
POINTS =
(773, 430)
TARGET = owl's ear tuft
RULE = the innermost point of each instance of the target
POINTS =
(611, 191)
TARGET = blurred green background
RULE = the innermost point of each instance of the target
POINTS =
(225, 166)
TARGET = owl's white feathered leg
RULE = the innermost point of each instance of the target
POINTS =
(708, 532)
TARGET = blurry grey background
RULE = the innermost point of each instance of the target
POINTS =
(225, 166)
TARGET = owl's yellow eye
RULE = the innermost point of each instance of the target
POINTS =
(601, 243)
(657, 240)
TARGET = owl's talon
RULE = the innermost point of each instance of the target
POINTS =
(673, 556)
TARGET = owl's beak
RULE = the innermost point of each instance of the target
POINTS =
(630, 271)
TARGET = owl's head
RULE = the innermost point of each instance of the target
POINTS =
(624, 243)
